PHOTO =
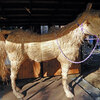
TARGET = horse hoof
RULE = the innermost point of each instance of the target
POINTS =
(70, 95)
(17, 89)
(19, 95)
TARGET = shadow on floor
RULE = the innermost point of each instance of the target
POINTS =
(85, 72)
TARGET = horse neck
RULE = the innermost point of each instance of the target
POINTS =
(75, 36)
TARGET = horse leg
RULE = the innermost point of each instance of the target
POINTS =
(14, 71)
(65, 68)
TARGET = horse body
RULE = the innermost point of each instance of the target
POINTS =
(31, 48)
(21, 45)
(40, 49)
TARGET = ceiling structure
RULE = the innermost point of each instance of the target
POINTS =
(41, 12)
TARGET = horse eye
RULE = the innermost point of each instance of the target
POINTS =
(87, 23)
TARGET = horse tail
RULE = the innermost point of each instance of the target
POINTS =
(4, 72)
(3, 32)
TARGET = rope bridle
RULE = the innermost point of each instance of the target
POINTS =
(82, 29)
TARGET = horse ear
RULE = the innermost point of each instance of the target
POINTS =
(89, 6)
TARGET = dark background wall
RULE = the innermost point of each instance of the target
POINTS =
(29, 13)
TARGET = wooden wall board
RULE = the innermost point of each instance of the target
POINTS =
(31, 69)
(53, 68)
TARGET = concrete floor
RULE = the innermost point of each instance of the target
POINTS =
(49, 88)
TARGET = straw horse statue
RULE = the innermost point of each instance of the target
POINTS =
(21, 45)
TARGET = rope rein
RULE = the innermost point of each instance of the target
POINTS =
(88, 55)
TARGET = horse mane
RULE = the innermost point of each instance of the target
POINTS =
(20, 35)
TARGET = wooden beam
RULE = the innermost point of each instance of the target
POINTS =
(35, 23)
(38, 15)
(45, 5)
(27, 1)
(38, 9)
(24, 11)
(25, 18)
(14, 1)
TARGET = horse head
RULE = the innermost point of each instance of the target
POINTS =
(90, 21)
